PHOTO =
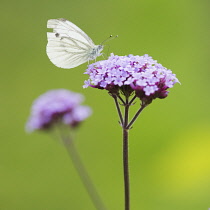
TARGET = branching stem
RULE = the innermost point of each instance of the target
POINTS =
(118, 110)
(126, 126)
(135, 117)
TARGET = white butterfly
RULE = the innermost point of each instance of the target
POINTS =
(68, 46)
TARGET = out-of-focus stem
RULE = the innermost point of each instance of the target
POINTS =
(82, 172)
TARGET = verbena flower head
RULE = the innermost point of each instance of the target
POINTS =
(57, 106)
(128, 74)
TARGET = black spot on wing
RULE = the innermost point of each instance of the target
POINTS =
(57, 34)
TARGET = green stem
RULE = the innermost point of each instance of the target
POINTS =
(82, 172)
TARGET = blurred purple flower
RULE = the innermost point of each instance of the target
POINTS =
(78, 114)
(57, 106)
(127, 74)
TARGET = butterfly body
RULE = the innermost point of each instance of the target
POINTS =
(68, 46)
(95, 52)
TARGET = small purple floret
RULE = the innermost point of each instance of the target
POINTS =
(57, 106)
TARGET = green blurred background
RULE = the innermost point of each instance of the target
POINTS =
(170, 142)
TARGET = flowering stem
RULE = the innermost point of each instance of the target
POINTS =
(118, 109)
(125, 157)
(126, 127)
(123, 102)
(77, 162)
(135, 117)
(132, 100)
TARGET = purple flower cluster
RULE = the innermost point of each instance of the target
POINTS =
(57, 106)
(141, 74)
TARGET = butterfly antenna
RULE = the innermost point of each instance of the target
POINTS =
(109, 38)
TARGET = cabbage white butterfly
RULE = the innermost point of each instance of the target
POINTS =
(68, 46)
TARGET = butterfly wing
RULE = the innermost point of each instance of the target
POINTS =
(68, 46)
